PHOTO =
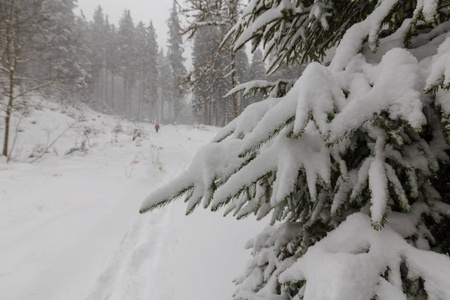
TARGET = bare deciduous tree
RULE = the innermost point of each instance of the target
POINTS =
(19, 24)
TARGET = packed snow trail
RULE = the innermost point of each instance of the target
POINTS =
(59, 224)
(70, 228)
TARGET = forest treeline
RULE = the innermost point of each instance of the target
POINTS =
(47, 47)
(120, 68)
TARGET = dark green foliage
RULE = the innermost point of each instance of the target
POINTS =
(317, 35)
(414, 287)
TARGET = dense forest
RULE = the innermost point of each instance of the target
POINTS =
(48, 48)
(120, 68)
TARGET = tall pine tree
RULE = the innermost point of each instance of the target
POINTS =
(175, 55)
(98, 32)
(208, 79)
(257, 68)
(147, 56)
(127, 59)
(112, 58)
(257, 72)
(165, 88)
(351, 163)
(220, 15)
(151, 70)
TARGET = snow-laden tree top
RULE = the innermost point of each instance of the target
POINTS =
(352, 164)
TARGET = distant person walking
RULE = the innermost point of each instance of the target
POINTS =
(156, 127)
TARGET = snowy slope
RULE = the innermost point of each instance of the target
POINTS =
(69, 222)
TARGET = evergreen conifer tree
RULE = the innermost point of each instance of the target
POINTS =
(83, 82)
(208, 80)
(111, 56)
(351, 164)
(175, 55)
(220, 15)
(147, 67)
(142, 62)
(257, 68)
(59, 45)
(242, 66)
(151, 70)
(257, 72)
(165, 90)
(202, 89)
(127, 58)
(98, 32)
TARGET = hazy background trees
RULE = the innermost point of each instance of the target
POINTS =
(217, 68)
(132, 75)
(38, 47)
(120, 68)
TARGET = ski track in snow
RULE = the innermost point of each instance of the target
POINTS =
(70, 228)
(131, 272)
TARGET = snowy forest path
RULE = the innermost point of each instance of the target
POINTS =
(59, 222)
(70, 227)
(68, 219)
(134, 271)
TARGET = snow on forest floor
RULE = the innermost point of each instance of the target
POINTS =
(69, 222)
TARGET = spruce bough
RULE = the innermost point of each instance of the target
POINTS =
(351, 164)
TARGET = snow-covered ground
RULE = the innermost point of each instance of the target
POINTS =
(69, 222)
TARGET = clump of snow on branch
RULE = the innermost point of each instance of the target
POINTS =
(357, 262)
(392, 86)
(213, 162)
(440, 67)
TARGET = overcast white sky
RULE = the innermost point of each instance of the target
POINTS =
(141, 10)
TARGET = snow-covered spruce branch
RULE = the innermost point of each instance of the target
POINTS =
(305, 27)
(352, 163)
(268, 88)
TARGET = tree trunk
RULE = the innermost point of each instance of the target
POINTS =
(106, 85)
(141, 91)
(162, 109)
(140, 99)
(171, 108)
(11, 60)
(112, 91)
(130, 96)
(205, 111)
(8, 113)
(125, 96)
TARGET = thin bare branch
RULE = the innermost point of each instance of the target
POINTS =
(33, 89)
(53, 142)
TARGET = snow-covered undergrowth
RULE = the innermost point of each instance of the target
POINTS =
(69, 222)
